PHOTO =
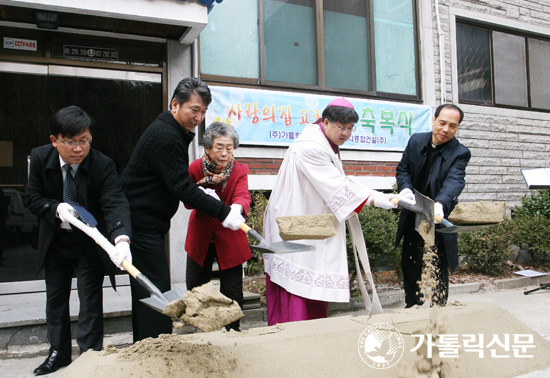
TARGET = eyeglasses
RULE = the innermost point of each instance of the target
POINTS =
(343, 129)
(73, 144)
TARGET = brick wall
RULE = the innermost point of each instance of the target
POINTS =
(369, 168)
(265, 166)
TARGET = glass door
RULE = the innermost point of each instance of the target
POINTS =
(123, 104)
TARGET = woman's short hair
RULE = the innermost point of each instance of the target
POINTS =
(220, 129)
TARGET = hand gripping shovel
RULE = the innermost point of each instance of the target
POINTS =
(420, 207)
(424, 219)
(424, 211)
(157, 301)
(277, 247)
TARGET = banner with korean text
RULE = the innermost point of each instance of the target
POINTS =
(275, 118)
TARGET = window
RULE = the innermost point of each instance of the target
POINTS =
(290, 41)
(395, 46)
(539, 56)
(474, 64)
(347, 46)
(500, 68)
(227, 50)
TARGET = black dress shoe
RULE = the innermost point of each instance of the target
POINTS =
(53, 362)
(233, 327)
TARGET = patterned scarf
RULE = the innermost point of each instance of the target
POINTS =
(213, 174)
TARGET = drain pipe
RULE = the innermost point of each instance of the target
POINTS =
(195, 73)
(441, 37)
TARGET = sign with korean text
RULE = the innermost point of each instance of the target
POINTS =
(275, 118)
(20, 44)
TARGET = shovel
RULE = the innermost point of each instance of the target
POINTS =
(452, 229)
(424, 211)
(426, 204)
(157, 301)
(277, 247)
(420, 207)
(424, 219)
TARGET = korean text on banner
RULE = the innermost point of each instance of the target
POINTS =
(275, 118)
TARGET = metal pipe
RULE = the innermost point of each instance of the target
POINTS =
(441, 37)
(195, 73)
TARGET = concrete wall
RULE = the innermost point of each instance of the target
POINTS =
(502, 141)
(180, 63)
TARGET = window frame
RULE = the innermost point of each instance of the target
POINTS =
(321, 75)
(508, 30)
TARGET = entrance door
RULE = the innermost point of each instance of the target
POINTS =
(122, 103)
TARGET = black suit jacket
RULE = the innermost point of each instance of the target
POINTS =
(98, 190)
(446, 177)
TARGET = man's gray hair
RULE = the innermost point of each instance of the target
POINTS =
(220, 129)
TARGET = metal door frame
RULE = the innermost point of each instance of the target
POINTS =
(69, 71)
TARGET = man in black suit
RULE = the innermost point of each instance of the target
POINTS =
(434, 163)
(63, 250)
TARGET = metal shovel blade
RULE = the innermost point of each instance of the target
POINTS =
(424, 220)
(159, 302)
(282, 247)
(277, 247)
(456, 229)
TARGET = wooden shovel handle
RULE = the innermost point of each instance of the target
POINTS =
(395, 201)
(132, 270)
(244, 227)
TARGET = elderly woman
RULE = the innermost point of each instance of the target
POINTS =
(217, 171)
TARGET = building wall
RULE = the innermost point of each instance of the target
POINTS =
(502, 141)
(191, 15)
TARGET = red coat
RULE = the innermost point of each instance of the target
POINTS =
(231, 245)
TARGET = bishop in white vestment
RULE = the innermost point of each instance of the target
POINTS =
(311, 180)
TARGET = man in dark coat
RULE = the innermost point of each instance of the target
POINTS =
(63, 250)
(155, 180)
(434, 163)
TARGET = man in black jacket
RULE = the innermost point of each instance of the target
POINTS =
(434, 163)
(63, 250)
(155, 181)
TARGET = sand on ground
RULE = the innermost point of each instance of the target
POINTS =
(328, 347)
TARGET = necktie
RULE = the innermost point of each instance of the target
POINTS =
(70, 194)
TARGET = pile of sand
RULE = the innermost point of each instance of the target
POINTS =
(165, 356)
(204, 307)
(324, 347)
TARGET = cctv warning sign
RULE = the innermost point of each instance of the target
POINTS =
(20, 44)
